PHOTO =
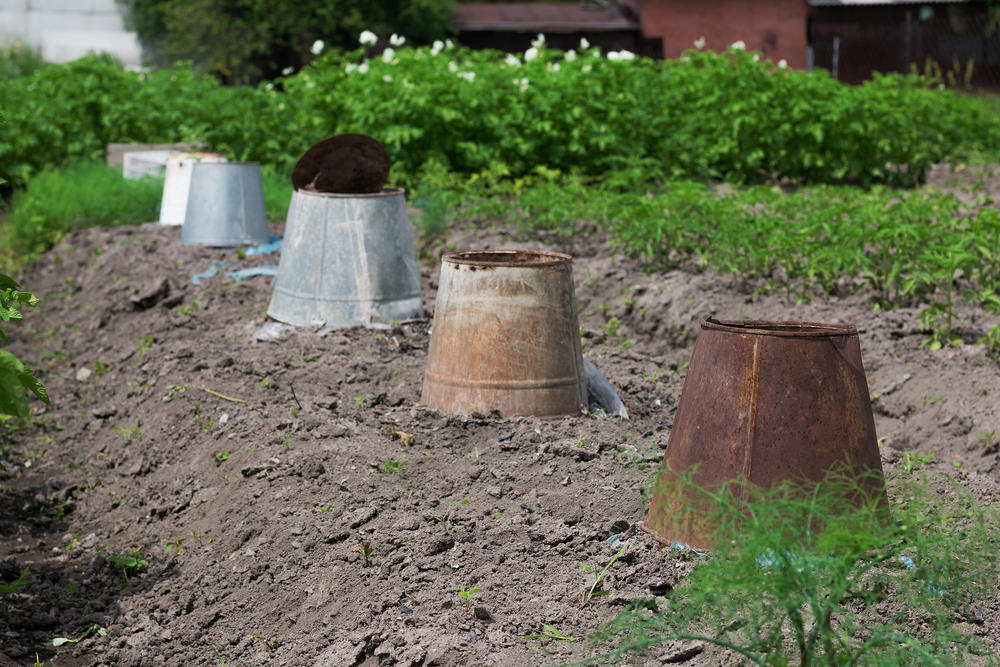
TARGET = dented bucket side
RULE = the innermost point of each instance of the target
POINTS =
(766, 406)
(225, 205)
(505, 338)
(347, 260)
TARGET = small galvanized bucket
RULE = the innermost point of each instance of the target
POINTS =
(347, 260)
(225, 205)
(178, 183)
(766, 402)
(505, 336)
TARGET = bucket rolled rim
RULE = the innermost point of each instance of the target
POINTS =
(228, 164)
(386, 192)
(779, 328)
(507, 257)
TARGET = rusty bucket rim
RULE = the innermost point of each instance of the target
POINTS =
(386, 192)
(507, 257)
(783, 329)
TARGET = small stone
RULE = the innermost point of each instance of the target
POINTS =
(565, 481)
(440, 545)
(494, 491)
(482, 614)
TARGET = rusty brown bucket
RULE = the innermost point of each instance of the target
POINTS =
(505, 336)
(765, 402)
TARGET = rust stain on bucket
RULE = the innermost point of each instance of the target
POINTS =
(766, 402)
(505, 336)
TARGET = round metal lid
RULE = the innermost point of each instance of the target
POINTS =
(343, 164)
(786, 329)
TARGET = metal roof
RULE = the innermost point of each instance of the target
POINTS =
(551, 17)
(871, 3)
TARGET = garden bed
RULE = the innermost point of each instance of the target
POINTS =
(250, 474)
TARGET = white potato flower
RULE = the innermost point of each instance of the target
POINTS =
(397, 40)
(584, 44)
(368, 38)
(437, 47)
(570, 55)
(317, 47)
(739, 45)
(782, 63)
(538, 42)
(530, 54)
(363, 68)
(388, 54)
(512, 61)
(699, 43)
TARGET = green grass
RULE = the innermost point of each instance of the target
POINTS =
(824, 574)
(277, 188)
(19, 59)
(86, 194)
(906, 245)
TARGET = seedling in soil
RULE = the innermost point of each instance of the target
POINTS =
(204, 424)
(220, 457)
(366, 550)
(130, 562)
(144, 344)
(190, 310)
(934, 399)
(130, 432)
(323, 509)
(176, 546)
(100, 368)
(295, 415)
(550, 632)
(92, 629)
(912, 461)
(468, 594)
(173, 391)
(391, 467)
(271, 642)
(16, 585)
(592, 568)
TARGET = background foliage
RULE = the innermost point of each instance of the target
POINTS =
(448, 109)
(245, 41)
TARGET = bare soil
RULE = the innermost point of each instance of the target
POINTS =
(170, 422)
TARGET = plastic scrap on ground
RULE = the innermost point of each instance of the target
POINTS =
(254, 271)
(601, 394)
(273, 245)
(210, 271)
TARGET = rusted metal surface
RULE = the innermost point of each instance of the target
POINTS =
(765, 402)
(505, 336)
(343, 164)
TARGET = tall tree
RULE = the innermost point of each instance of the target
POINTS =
(245, 41)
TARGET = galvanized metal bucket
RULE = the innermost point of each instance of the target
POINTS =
(347, 260)
(225, 205)
(505, 336)
(177, 184)
(766, 402)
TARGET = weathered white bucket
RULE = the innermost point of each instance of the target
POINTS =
(144, 163)
(177, 184)
(225, 205)
(347, 260)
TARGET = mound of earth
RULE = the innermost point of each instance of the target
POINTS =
(252, 475)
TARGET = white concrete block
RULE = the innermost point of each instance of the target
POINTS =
(64, 45)
(13, 25)
(14, 5)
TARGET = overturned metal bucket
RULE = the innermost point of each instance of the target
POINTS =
(177, 184)
(225, 205)
(766, 402)
(347, 260)
(505, 336)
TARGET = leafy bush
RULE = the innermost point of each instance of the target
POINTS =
(243, 41)
(19, 60)
(729, 116)
(815, 575)
(83, 195)
(15, 379)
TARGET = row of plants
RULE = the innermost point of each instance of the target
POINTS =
(732, 116)
(825, 574)
(911, 247)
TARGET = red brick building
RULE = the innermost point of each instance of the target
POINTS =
(775, 27)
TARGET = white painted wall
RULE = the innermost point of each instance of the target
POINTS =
(68, 29)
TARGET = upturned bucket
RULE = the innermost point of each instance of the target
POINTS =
(225, 205)
(347, 260)
(765, 402)
(177, 184)
(505, 336)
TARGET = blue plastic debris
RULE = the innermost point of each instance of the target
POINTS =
(254, 271)
(680, 546)
(615, 538)
(210, 271)
(273, 245)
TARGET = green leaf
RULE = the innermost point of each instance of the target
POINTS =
(12, 397)
(30, 382)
